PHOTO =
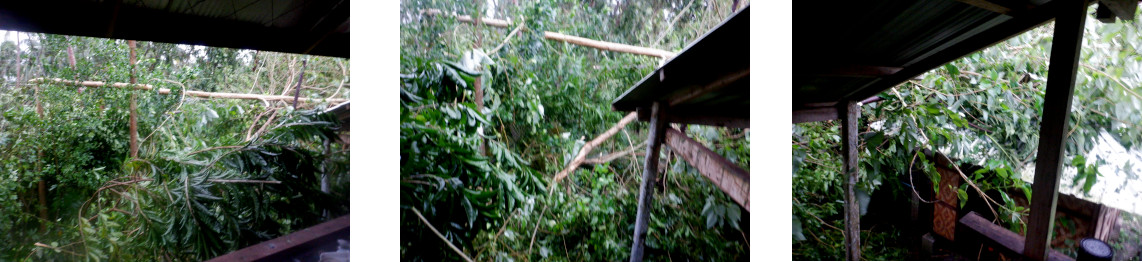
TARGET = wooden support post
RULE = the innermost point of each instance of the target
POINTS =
(1068, 37)
(850, 115)
(646, 188)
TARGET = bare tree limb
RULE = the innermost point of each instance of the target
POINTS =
(422, 219)
(574, 164)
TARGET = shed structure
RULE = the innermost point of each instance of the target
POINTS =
(706, 84)
(850, 51)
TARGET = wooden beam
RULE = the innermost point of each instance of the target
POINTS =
(646, 188)
(854, 71)
(281, 248)
(729, 177)
(987, 5)
(1002, 237)
(850, 112)
(1123, 9)
(1065, 48)
(814, 114)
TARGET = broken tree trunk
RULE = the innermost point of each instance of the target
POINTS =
(190, 92)
(578, 160)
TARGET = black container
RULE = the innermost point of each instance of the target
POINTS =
(1091, 249)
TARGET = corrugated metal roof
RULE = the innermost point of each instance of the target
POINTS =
(720, 53)
(318, 27)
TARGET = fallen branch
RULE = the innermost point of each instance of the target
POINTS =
(468, 19)
(505, 42)
(574, 164)
(188, 92)
(422, 219)
(613, 156)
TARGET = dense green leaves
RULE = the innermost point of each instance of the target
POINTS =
(543, 100)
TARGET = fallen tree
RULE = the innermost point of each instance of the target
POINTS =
(191, 92)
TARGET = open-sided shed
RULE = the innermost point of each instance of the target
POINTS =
(850, 51)
(706, 84)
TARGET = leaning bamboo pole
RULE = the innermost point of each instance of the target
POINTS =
(609, 46)
(190, 92)
(570, 39)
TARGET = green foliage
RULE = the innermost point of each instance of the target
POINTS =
(178, 200)
(543, 100)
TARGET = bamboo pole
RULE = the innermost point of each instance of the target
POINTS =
(614, 47)
(189, 92)
(609, 46)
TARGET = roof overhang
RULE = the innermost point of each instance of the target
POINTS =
(292, 26)
(853, 50)
(707, 83)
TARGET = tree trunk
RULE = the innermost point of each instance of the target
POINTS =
(134, 124)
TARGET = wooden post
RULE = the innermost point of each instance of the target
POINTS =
(646, 188)
(850, 115)
(134, 120)
(1068, 37)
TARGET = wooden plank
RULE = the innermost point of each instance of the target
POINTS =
(1002, 237)
(1065, 48)
(814, 114)
(850, 111)
(646, 187)
(280, 248)
(729, 177)
(1104, 222)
